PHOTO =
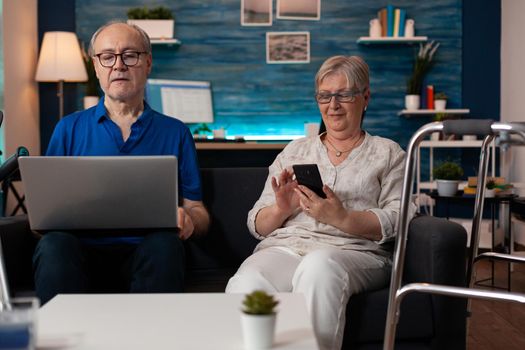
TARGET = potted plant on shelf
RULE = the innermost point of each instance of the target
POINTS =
(258, 320)
(422, 64)
(201, 131)
(440, 101)
(490, 190)
(447, 175)
(158, 22)
(91, 96)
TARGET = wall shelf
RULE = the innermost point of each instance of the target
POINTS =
(407, 112)
(366, 40)
(167, 42)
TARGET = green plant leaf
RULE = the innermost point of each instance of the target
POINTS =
(448, 171)
(159, 12)
(259, 303)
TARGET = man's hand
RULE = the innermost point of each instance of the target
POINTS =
(185, 224)
(193, 218)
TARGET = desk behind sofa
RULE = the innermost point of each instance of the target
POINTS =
(237, 154)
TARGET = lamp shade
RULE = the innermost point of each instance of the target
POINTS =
(60, 59)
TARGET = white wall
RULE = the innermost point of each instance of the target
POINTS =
(20, 39)
(513, 85)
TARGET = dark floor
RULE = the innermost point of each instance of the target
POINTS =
(495, 324)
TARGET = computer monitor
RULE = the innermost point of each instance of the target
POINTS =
(189, 101)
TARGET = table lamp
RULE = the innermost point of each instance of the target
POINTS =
(60, 61)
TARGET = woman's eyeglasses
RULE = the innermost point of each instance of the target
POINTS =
(343, 96)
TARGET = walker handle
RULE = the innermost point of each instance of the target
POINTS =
(480, 127)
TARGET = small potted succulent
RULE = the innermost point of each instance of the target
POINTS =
(158, 22)
(447, 175)
(258, 320)
(490, 190)
(440, 101)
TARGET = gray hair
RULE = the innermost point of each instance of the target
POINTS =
(146, 43)
(354, 68)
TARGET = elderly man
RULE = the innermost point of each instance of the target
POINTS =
(122, 124)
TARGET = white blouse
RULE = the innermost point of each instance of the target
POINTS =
(370, 178)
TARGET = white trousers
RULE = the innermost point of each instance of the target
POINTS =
(326, 277)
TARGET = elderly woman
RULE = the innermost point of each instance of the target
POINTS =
(328, 249)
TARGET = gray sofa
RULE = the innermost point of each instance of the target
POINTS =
(435, 254)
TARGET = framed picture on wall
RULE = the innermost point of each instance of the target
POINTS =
(299, 9)
(288, 47)
(256, 12)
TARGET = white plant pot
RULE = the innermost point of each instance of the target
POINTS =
(490, 193)
(90, 101)
(440, 105)
(412, 102)
(469, 137)
(435, 136)
(258, 331)
(219, 133)
(447, 188)
(155, 28)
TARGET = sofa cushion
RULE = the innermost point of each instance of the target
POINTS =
(229, 193)
(18, 245)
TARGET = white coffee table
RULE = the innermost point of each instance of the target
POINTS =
(163, 321)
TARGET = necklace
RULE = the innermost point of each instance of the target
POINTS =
(339, 153)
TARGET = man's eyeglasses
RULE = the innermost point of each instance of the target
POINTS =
(343, 96)
(129, 58)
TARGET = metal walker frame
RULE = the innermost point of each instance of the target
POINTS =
(483, 127)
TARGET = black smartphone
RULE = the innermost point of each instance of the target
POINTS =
(308, 175)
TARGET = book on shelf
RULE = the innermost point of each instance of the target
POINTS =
(402, 19)
(382, 19)
(390, 20)
(396, 23)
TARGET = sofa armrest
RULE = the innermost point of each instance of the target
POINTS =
(435, 249)
(436, 253)
(18, 245)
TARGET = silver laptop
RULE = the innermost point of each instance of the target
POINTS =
(88, 193)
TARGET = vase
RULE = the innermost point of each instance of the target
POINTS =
(375, 28)
(90, 101)
(155, 28)
(440, 105)
(258, 330)
(447, 188)
(490, 193)
(412, 102)
(219, 133)
(409, 28)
